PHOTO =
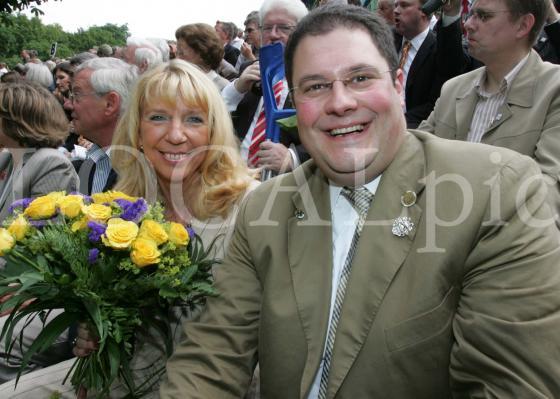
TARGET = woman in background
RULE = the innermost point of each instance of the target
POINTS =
(63, 73)
(32, 126)
(199, 44)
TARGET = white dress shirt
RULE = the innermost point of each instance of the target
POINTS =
(344, 219)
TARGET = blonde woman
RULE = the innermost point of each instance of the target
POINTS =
(175, 143)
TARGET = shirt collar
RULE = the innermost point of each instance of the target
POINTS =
(417, 40)
(508, 79)
(335, 191)
(96, 153)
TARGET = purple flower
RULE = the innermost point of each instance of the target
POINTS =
(96, 231)
(93, 255)
(87, 199)
(38, 224)
(21, 203)
(191, 232)
(132, 211)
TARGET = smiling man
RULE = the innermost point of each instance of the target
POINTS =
(394, 264)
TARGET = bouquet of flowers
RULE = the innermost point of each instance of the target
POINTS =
(109, 260)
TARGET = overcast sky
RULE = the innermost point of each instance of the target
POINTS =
(154, 18)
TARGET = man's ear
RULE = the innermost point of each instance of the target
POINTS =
(112, 103)
(526, 23)
(399, 84)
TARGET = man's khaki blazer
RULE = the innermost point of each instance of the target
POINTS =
(528, 122)
(465, 309)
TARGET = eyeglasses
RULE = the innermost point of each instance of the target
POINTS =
(75, 97)
(284, 29)
(482, 15)
(356, 81)
(249, 30)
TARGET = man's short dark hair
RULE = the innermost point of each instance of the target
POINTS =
(228, 28)
(252, 17)
(325, 19)
(539, 9)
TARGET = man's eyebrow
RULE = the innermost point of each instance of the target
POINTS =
(353, 68)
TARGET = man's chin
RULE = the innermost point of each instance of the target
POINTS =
(348, 176)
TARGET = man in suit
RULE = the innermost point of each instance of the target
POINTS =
(427, 59)
(244, 97)
(548, 42)
(226, 32)
(446, 287)
(100, 89)
(512, 102)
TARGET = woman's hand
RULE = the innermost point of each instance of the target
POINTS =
(6, 297)
(86, 342)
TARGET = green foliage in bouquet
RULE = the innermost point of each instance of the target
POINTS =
(109, 260)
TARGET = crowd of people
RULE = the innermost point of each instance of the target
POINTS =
(408, 243)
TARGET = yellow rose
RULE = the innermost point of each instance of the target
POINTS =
(41, 207)
(178, 235)
(79, 224)
(55, 195)
(6, 241)
(144, 252)
(19, 227)
(97, 212)
(70, 205)
(110, 196)
(120, 233)
(153, 231)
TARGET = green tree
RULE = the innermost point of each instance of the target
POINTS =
(19, 32)
(10, 6)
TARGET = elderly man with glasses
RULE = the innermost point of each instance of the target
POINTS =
(100, 90)
(278, 18)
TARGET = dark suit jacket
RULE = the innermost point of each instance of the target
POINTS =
(548, 43)
(87, 171)
(231, 54)
(440, 58)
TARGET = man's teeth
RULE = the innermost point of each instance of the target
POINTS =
(346, 130)
(175, 157)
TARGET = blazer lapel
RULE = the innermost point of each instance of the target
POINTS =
(379, 255)
(465, 105)
(521, 94)
(310, 259)
(423, 52)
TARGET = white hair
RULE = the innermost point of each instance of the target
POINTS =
(111, 74)
(295, 8)
(145, 51)
(39, 74)
(162, 46)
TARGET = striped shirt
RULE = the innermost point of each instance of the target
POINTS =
(488, 105)
(102, 167)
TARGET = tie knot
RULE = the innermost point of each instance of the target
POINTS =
(359, 197)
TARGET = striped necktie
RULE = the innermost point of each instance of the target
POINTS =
(404, 53)
(259, 132)
(360, 198)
